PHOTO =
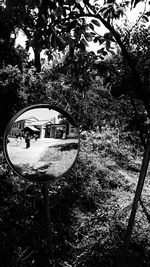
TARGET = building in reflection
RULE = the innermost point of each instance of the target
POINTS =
(43, 128)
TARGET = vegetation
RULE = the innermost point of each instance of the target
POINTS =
(57, 24)
(90, 205)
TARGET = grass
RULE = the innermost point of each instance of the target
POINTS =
(53, 162)
(90, 207)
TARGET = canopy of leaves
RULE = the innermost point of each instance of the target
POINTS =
(54, 25)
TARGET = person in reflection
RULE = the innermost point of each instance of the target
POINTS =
(17, 139)
(35, 137)
(27, 139)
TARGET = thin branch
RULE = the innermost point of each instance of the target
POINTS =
(116, 35)
(138, 20)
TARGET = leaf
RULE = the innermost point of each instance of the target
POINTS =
(127, 3)
(59, 11)
(107, 12)
(95, 39)
(120, 11)
(96, 22)
(134, 3)
(60, 42)
(105, 8)
(112, 52)
(108, 36)
(107, 44)
(84, 42)
(88, 36)
(91, 26)
(145, 18)
(77, 34)
(104, 53)
(101, 40)
(147, 13)
(100, 50)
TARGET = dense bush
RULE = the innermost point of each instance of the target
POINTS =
(11, 90)
(84, 96)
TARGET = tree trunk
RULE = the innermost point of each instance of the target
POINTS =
(37, 61)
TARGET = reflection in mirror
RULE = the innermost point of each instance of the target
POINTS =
(41, 144)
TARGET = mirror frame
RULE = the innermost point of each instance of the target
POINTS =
(8, 128)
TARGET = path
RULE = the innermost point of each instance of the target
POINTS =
(44, 156)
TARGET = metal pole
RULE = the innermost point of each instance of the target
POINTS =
(48, 222)
(138, 192)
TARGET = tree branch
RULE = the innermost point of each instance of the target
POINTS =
(138, 20)
(139, 87)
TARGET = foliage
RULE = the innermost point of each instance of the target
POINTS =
(12, 97)
(57, 24)
(137, 41)
(76, 85)
(34, 86)
(9, 53)
(17, 90)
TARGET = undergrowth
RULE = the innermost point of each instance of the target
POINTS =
(90, 207)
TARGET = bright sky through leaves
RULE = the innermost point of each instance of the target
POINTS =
(131, 15)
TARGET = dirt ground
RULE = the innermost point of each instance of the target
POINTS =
(43, 157)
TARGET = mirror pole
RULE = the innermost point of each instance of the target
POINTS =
(45, 192)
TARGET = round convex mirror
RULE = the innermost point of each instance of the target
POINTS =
(41, 143)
